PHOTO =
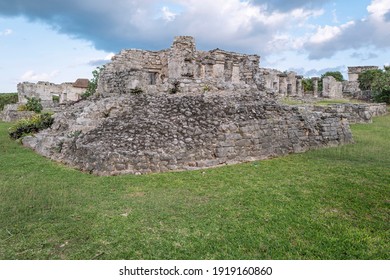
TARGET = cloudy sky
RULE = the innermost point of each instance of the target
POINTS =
(61, 40)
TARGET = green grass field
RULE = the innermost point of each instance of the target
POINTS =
(331, 203)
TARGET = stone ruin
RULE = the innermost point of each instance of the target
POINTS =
(48, 92)
(351, 87)
(353, 72)
(184, 109)
(51, 95)
(183, 69)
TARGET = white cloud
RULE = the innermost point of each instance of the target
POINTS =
(334, 16)
(372, 30)
(6, 32)
(378, 8)
(109, 56)
(31, 76)
(101, 61)
(167, 14)
(327, 32)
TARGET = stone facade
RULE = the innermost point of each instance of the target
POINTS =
(156, 133)
(179, 69)
(46, 90)
(184, 69)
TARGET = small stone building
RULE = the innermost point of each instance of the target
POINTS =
(51, 93)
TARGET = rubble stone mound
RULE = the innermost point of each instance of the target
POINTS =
(147, 133)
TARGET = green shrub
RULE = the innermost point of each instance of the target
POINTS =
(367, 78)
(55, 98)
(206, 88)
(136, 91)
(34, 104)
(22, 107)
(307, 84)
(378, 81)
(30, 125)
(7, 98)
(92, 85)
(176, 87)
(381, 87)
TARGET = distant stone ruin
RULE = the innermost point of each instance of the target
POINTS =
(353, 72)
(351, 87)
(184, 109)
(48, 92)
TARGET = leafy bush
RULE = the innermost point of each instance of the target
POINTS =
(34, 104)
(136, 90)
(367, 78)
(378, 81)
(92, 85)
(55, 98)
(206, 88)
(7, 98)
(31, 125)
(307, 84)
(381, 87)
(175, 88)
(22, 107)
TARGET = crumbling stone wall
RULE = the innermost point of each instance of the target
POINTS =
(179, 69)
(355, 113)
(287, 84)
(331, 88)
(159, 132)
(10, 113)
(184, 69)
(351, 90)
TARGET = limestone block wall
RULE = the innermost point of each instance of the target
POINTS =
(331, 88)
(159, 132)
(355, 113)
(11, 113)
(352, 90)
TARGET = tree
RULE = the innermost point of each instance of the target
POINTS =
(307, 84)
(92, 85)
(335, 74)
(381, 87)
(367, 78)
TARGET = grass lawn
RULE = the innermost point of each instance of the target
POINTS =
(332, 203)
(338, 101)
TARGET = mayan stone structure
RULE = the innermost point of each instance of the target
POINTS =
(184, 109)
(183, 69)
(161, 132)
